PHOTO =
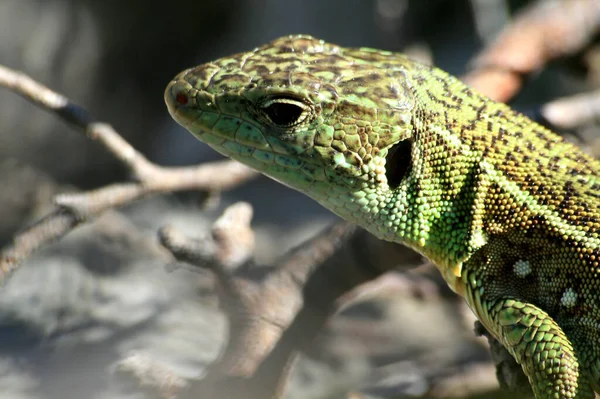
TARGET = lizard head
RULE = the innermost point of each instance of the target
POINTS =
(334, 123)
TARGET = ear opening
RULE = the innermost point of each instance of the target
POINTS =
(398, 162)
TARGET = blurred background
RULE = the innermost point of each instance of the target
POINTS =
(82, 304)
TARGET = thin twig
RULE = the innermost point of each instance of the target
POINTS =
(574, 111)
(73, 209)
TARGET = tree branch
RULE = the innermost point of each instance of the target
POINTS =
(74, 209)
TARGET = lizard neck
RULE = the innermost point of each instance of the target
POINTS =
(446, 233)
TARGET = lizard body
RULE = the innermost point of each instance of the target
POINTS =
(507, 210)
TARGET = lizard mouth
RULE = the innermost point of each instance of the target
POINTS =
(398, 162)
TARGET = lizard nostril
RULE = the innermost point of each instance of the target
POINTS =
(179, 94)
(182, 98)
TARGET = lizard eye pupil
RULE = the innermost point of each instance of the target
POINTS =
(285, 112)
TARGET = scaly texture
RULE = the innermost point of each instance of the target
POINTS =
(507, 210)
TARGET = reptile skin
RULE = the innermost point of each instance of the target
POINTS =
(507, 210)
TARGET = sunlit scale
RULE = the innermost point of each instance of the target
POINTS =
(508, 211)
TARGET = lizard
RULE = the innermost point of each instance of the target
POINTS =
(507, 210)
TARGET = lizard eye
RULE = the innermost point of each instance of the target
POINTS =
(285, 112)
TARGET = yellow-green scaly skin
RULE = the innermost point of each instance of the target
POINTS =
(507, 210)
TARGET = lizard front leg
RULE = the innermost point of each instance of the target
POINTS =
(534, 339)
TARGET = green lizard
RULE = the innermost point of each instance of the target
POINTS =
(507, 210)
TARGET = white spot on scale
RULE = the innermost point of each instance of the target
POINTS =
(569, 298)
(522, 268)
(478, 239)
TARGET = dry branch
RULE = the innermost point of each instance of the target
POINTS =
(275, 315)
(547, 30)
(73, 209)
